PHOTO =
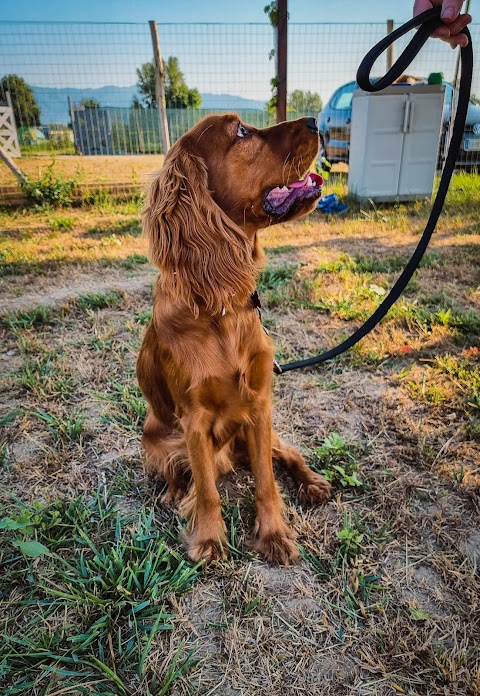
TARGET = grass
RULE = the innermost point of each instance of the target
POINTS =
(93, 301)
(97, 594)
(86, 598)
(44, 376)
(68, 428)
(35, 317)
(337, 460)
(127, 407)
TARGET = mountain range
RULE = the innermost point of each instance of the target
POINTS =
(53, 101)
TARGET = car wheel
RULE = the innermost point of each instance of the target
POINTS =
(323, 149)
(441, 149)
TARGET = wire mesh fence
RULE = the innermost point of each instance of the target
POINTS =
(82, 89)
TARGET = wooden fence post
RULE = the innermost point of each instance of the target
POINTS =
(15, 169)
(282, 27)
(160, 87)
(389, 48)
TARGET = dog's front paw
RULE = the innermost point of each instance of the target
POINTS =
(276, 546)
(207, 543)
(206, 550)
(315, 490)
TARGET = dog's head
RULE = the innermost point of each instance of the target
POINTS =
(257, 176)
(221, 182)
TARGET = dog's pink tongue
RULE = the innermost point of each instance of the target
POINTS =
(299, 184)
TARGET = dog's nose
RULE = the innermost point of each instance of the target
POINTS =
(311, 124)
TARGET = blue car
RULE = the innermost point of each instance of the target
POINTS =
(335, 118)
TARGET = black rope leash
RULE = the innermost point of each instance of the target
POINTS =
(429, 21)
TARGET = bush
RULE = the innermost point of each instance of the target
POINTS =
(49, 190)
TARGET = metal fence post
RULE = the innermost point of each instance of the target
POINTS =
(282, 60)
(160, 87)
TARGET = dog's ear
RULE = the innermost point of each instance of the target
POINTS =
(202, 255)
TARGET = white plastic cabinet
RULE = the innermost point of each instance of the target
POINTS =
(394, 142)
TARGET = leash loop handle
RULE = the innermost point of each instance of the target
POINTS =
(429, 21)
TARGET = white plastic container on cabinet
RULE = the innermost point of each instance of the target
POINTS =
(394, 142)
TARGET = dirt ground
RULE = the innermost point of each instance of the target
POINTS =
(386, 598)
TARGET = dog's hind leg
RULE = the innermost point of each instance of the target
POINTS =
(166, 458)
(312, 488)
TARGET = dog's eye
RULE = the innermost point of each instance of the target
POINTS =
(242, 132)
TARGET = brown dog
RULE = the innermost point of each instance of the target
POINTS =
(205, 365)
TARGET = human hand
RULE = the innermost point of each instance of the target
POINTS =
(453, 21)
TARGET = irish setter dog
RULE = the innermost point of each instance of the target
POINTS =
(205, 365)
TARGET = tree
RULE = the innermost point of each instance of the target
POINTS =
(177, 94)
(25, 107)
(146, 84)
(302, 102)
(90, 103)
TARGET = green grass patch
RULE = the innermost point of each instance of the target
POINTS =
(133, 261)
(127, 407)
(283, 285)
(50, 191)
(86, 598)
(465, 375)
(124, 228)
(360, 592)
(43, 376)
(69, 427)
(447, 380)
(30, 318)
(337, 460)
(144, 317)
(271, 278)
(273, 251)
(93, 301)
(57, 224)
(108, 202)
(464, 192)
(369, 264)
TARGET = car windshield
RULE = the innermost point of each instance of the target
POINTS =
(343, 98)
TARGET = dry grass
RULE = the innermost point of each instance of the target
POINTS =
(386, 598)
(98, 169)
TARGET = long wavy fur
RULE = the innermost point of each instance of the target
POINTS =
(204, 258)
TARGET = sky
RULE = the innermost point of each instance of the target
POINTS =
(327, 41)
(203, 10)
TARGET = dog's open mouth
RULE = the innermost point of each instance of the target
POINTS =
(280, 200)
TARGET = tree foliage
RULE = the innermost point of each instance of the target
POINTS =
(90, 103)
(146, 84)
(25, 107)
(301, 102)
(177, 94)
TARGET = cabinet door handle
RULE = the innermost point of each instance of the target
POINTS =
(410, 116)
(405, 116)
